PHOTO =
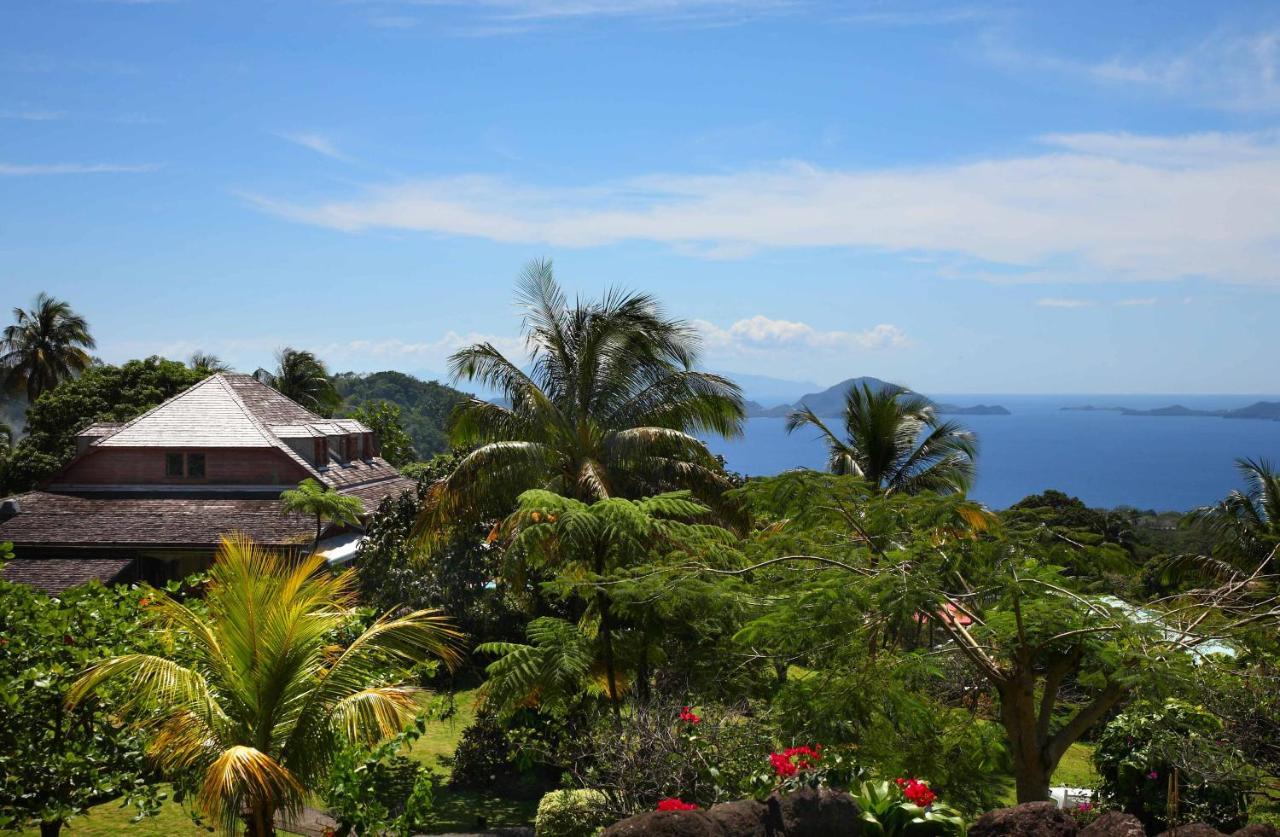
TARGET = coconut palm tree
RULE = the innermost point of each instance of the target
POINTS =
(208, 363)
(259, 701)
(609, 406)
(44, 347)
(1245, 524)
(302, 376)
(312, 498)
(893, 440)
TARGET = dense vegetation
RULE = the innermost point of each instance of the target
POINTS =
(648, 632)
(425, 407)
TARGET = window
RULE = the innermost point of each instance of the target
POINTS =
(195, 466)
(173, 464)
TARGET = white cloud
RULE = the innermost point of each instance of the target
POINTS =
(33, 115)
(1063, 302)
(761, 333)
(901, 15)
(1225, 70)
(1139, 301)
(318, 143)
(566, 9)
(37, 169)
(1090, 207)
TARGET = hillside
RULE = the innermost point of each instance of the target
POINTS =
(425, 405)
(829, 402)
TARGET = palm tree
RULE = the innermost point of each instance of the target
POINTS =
(259, 701)
(1245, 524)
(44, 347)
(310, 497)
(208, 363)
(301, 376)
(609, 406)
(894, 441)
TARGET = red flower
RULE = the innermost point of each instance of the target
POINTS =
(672, 803)
(916, 792)
(67, 640)
(793, 759)
(686, 715)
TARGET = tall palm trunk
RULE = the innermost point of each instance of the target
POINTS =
(50, 828)
(606, 641)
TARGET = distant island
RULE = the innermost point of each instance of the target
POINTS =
(1264, 410)
(829, 403)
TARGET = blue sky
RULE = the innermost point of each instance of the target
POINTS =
(1008, 197)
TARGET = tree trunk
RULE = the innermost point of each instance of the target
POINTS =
(260, 822)
(50, 828)
(1031, 773)
(606, 641)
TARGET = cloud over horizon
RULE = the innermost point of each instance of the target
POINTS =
(1090, 207)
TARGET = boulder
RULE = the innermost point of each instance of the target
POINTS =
(1030, 819)
(1257, 829)
(666, 824)
(815, 812)
(1195, 829)
(1114, 824)
(743, 818)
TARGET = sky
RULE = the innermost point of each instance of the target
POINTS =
(962, 197)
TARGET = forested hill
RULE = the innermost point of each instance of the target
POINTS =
(425, 405)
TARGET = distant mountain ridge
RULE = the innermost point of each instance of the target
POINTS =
(1262, 410)
(830, 402)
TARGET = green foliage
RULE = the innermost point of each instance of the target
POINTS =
(313, 499)
(572, 813)
(886, 813)
(259, 700)
(44, 347)
(301, 376)
(55, 762)
(100, 394)
(553, 671)
(611, 407)
(457, 577)
(653, 754)
(1148, 749)
(425, 406)
(379, 791)
(383, 418)
(894, 441)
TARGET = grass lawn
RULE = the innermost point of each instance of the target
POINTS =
(111, 819)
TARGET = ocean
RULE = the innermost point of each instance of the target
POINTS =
(1104, 458)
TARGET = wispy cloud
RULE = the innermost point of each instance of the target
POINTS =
(486, 18)
(761, 333)
(1063, 302)
(1225, 70)
(905, 15)
(1138, 301)
(1091, 208)
(33, 115)
(37, 169)
(318, 143)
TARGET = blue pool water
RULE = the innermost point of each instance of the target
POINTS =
(1105, 458)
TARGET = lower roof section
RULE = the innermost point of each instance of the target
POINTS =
(54, 575)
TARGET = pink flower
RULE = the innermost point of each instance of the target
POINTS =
(687, 715)
(1153, 775)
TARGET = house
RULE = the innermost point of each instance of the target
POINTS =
(150, 499)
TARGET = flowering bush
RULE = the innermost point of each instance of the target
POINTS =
(1148, 751)
(916, 792)
(907, 807)
(687, 715)
(671, 803)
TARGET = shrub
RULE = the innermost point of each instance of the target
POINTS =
(1148, 751)
(572, 813)
(380, 791)
(483, 755)
(905, 809)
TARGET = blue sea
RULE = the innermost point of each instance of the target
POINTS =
(1105, 458)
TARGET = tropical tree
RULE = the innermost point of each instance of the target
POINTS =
(585, 545)
(303, 377)
(893, 440)
(383, 418)
(44, 347)
(258, 702)
(609, 407)
(1245, 524)
(207, 363)
(312, 498)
